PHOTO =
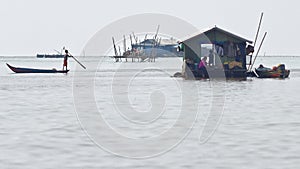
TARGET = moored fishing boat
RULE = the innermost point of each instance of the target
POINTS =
(277, 72)
(59, 54)
(50, 55)
(31, 70)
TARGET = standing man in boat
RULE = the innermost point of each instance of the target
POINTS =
(65, 65)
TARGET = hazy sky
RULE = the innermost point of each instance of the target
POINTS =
(39, 26)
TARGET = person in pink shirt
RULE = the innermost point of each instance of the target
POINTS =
(203, 62)
(202, 67)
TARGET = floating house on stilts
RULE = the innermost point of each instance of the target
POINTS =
(226, 57)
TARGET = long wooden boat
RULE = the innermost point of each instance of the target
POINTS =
(276, 72)
(30, 70)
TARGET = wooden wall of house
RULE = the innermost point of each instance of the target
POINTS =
(191, 55)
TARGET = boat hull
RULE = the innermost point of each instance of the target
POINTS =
(30, 70)
(272, 73)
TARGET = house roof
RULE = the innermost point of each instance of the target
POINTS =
(216, 35)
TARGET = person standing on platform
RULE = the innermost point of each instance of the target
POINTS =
(211, 58)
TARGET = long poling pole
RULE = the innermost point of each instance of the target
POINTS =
(259, 25)
(256, 36)
(258, 50)
(115, 49)
(78, 62)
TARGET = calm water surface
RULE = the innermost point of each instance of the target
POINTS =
(39, 127)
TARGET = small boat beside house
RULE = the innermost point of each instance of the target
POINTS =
(276, 72)
(31, 70)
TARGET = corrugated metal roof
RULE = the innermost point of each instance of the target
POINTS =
(228, 34)
(214, 30)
